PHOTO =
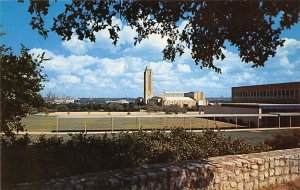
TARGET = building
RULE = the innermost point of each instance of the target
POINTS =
(121, 101)
(182, 99)
(281, 93)
(281, 100)
(148, 84)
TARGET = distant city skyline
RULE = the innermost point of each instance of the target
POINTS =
(85, 69)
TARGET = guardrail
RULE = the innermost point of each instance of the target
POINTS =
(235, 119)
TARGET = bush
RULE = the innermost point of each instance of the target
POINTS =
(152, 107)
(290, 140)
(174, 109)
(53, 157)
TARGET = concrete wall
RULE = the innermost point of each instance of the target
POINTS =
(246, 121)
(242, 172)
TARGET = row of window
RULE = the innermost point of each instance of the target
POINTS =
(270, 94)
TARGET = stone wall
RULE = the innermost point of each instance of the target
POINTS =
(248, 171)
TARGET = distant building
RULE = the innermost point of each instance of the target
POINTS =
(182, 99)
(281, 93)
(67, 100)
(122, 101)
(148, 84)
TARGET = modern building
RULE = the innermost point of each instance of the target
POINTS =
(281, 100)
(148, 84)
(281, 93)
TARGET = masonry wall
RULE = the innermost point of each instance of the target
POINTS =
(249, 171)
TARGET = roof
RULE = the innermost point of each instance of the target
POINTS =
(262, 106)
(274, 84)
(171, 94)
(178, 99)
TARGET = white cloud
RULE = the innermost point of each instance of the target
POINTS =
(68, 79)
(110, 67)
(183, 68)
(76, 46)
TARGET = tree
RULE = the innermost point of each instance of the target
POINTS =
(21, 79)
(174, 109)
(254, 27)
(152, 107)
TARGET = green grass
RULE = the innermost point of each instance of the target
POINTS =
(49, 123)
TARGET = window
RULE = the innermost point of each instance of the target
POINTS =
(297, 92)
(280, 94)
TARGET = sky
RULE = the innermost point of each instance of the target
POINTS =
(85, 69)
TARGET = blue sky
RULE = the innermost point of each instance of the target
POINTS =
(84, 69)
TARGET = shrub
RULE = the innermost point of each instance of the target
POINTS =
(152, 107)
(54, 157)
(289, 140)
(174, 109)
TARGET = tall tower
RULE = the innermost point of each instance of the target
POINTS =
(148, 84)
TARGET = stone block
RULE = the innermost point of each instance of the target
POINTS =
(217, 186)
(246, 177)
(254, 173)
(278, 171)
(224, 177)
(256, 184)
(272, 180)
(286, 170)
(279, 179)
(272, 163)
(240, 186)
(225, 185)
(294, 170)
(254, 166)
(267, 165)
(239, 178)
(261, 167)
(263, 184)
(248, 185)
(271, 172)
(266, 173)
(286, 178)
(217, 179)
(261, 176)
(294, 177)
(276, 163)
(233, 184)
(282, 162)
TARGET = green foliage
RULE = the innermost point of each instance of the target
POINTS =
(174, 109)
(62, 108)
(203, 27)
(152, 107)
(284, 141)
(21, 79)
(53, 157)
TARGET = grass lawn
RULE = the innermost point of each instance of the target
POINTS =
(49, 123)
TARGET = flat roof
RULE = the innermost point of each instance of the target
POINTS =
(261, 85)
(178, 98)
(262, 106)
